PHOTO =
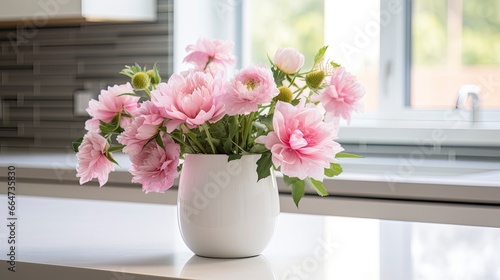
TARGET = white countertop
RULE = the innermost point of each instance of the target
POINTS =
(86, 239)
(442, 191)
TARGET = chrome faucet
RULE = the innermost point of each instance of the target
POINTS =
(463, 94)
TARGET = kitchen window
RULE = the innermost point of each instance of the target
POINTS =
(396, 49)
(412, 57)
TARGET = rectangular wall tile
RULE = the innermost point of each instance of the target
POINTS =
(39, 73)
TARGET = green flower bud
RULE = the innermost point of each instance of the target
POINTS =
(140, 80)
(314, 79)
(285, 94)
(153, 78)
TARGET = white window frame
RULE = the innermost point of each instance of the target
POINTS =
(395, 69)
(396, 123)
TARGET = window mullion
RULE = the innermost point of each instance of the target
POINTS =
(393, 55)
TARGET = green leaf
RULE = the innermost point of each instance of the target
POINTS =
(149, 141)
(106, 128)
(232, 124)
(298, 188)
(270, 60)
(76, 144)
(110, 157)
(317, 186)
(320, 54)
(278, 76)
(267, 121)
(258, 149)
(115, 148)
(129, 71)
(227, 146)
(218, 129)
(334, 170)
(112, 126)
(334, 64)
(157, 74)
(264, 165)
(234, 157)
(347, 155)
(128, 93)
(159, 141)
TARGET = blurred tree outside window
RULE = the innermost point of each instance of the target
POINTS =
(297, 24)
(454, 42)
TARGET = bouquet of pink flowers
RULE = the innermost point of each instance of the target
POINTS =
(288, 116)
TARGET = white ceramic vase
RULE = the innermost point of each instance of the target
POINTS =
(223, 211)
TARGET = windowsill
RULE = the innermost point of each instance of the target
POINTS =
(412, 132)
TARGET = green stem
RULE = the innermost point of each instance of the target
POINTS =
(209, 137)
(148, 92)
(272, 107)
(300, 91)
(179, 140)
(191, 136)
(115, 148)
(237, 135)
(248, 129)
(118, 121)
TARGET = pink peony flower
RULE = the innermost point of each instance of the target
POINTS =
(154, 167)
(111, 103)
(210, 55)
(302, 145)
(92, 125)
(191, 98)
(145, 125)
(288, 60)
(342, 96)
(250, 87)
(92, 162)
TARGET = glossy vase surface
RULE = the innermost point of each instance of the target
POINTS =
(223, 211)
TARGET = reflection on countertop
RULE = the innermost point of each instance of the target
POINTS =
(141, 238)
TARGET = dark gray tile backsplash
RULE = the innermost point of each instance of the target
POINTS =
(40, 73)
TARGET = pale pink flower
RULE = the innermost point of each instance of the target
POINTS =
(302, 145)
(92, 125)
(92, 161)
(288, 60)
(154, 167)
(342, 96)
(250, 87)
(192, 98)
(210, 55)
(111, 102)
(145, 125)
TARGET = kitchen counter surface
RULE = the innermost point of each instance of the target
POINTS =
(88, 239)
(444, 191)
(386, 169)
